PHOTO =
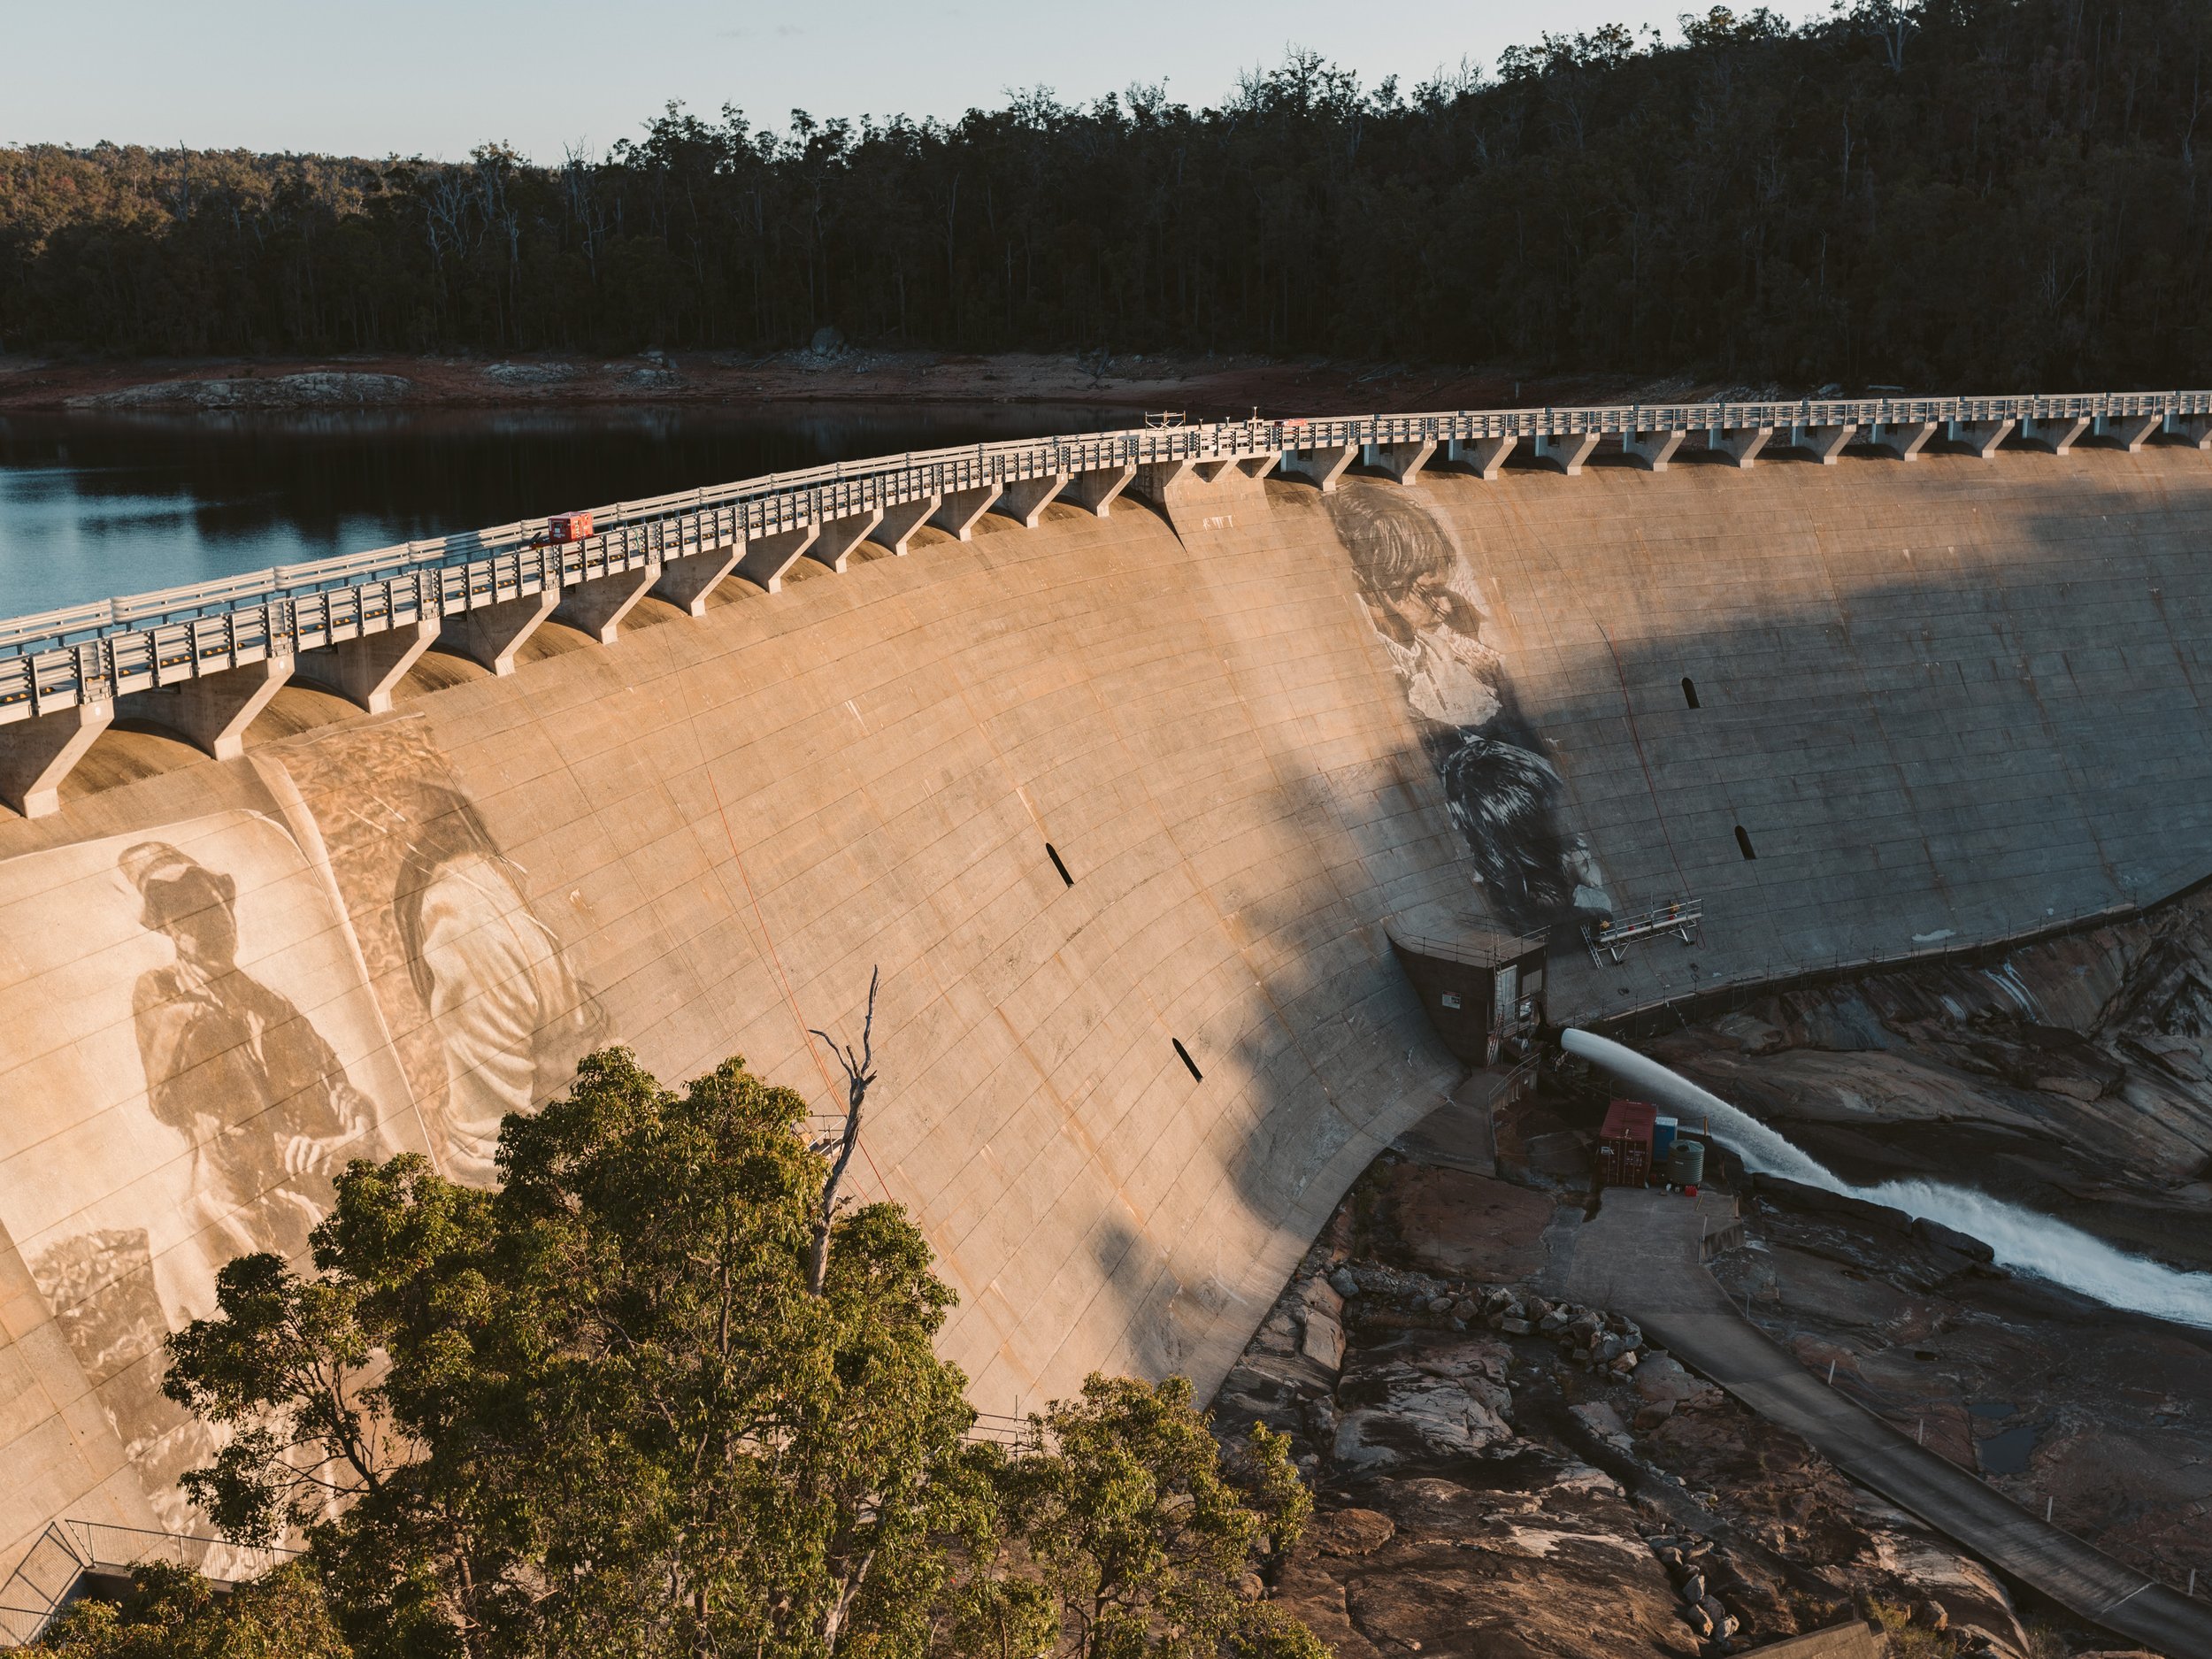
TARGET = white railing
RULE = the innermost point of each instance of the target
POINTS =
(93, 652)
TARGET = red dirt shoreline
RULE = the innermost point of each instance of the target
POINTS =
(1201, 388)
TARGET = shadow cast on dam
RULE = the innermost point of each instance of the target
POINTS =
(1940, 709)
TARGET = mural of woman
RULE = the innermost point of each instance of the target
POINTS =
(510, 1015)
(1504, 792)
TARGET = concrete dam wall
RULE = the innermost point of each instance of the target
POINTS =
(1944, 703)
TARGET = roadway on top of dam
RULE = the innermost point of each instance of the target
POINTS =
(1649, 432)
(356, 623)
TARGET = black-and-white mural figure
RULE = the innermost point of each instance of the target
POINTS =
(510, 1015)
(262, 1100)
(1504, 791)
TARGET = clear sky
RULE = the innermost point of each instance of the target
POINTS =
(438, 77)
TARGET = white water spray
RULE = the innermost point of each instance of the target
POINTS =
(2024, 1240)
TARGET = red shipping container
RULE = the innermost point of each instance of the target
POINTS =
(1624, 1144)
(568, 527)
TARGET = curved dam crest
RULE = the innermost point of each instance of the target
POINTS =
(1254, 724)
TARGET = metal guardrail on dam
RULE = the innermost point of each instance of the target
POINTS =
(215, 652)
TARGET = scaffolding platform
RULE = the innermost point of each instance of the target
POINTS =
(1610, 937)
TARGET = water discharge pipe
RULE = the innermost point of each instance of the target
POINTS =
(2023, 1239)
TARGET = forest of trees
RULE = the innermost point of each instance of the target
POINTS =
(1983, 194)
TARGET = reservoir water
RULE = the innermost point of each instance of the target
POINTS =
(97, 506)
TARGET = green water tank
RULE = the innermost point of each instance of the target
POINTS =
(1685, 1162)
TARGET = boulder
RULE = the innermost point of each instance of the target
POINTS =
(1663, 1378)
(1515, 1327)
(1819, 1201)
(1722, 1621)
(1319, 1293)
(1603, 1421)
(1402, 1415)
(1351, 1532)
(1935, 1234)
(1650, 1416)
(1322, 1341)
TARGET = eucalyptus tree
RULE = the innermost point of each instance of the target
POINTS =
(604, 1409)
(666, 1394)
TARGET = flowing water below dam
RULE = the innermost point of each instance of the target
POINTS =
(2025, 1240)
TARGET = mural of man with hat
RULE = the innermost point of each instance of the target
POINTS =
(234, 1067)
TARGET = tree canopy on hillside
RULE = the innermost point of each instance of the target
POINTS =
(1986, 194)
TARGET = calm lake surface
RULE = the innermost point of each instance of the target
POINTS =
(99, 506)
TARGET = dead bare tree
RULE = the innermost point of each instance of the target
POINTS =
(860, 1072)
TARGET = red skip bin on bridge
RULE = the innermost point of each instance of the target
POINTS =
(1625, 1143)
(567, 527)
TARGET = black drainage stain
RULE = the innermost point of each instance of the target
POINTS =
(1743, 843)
(1053, 853)
(1183, 1053)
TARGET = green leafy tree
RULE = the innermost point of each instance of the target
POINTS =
(1943, 193)
(1145, 1535)
(602, 1410)
(664, 1394)
(173, 1613)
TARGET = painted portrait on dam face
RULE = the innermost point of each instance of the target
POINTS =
(190, 1052)
(487, 1014)
(1504, 793)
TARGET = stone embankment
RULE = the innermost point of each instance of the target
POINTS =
(312, 388)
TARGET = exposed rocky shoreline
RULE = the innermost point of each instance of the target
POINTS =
(1500, 1471)
(1198, 386)
(2073, 1075)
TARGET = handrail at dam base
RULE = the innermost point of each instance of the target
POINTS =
(1667, 1014)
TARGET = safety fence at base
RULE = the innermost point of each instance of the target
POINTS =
(72, 1559)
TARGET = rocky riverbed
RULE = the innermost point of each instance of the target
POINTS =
(1499, 1472)
(2103, 1417)
(2073, 1076)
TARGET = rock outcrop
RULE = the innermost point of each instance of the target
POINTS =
(1499, 1473)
